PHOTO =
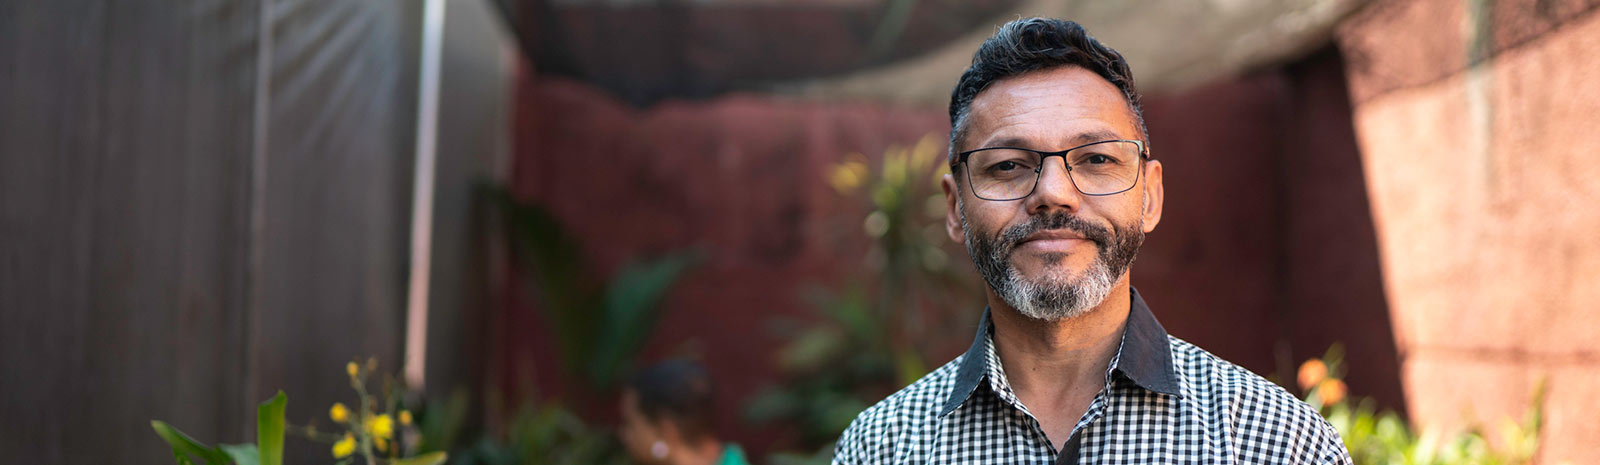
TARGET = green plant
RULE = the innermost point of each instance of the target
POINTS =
(598, 325)
(268, 449)
(873, 330)
(1383, 438)
(550, 434)
(371, 430)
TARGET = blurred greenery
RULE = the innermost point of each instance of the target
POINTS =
(597, 349)
(370, 431)
(547, 434)
(599, 326)
(1384, 438)
(268, 449)
(871, 334)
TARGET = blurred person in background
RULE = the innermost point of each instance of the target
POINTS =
(1052, 190)
(666, 418)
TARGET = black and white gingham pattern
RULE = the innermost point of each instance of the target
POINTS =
(1189, 408)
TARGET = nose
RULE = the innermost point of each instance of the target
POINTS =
(1055, 189)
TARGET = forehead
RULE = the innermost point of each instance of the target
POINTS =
(1049, 109)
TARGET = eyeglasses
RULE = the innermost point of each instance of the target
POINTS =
(1009, 173)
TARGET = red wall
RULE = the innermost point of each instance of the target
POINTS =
(1480, 150)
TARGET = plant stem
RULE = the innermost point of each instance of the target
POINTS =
(312, 434)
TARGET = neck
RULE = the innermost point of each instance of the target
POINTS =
(700, 453)
(1064, 358)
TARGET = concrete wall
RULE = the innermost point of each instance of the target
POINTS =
(1476, 124)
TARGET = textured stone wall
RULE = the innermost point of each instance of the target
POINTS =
(1475, 121)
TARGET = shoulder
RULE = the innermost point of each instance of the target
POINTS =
(872, 437)
(1260, 416)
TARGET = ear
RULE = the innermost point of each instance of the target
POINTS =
(952, 212)
(1154, 195)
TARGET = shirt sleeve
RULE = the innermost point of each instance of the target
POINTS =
(1333, 451)
(868, 439)
(848, 450)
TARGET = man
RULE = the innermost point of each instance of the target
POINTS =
(1052, 190)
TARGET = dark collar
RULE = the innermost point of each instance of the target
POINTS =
(1144, 357)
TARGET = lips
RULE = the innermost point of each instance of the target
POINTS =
(1052, 235)
(1052, 241)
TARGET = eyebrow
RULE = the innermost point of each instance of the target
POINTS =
(1077, 140)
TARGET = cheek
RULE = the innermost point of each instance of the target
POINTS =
(988, 219)
(1119, 211)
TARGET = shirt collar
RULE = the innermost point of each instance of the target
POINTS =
(1144, 356)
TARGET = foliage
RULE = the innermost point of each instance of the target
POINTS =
(370, 430)
(874, 329)
(599, 326)
(1386, 439)
(598, 349)
(268, 449)
(550, 434)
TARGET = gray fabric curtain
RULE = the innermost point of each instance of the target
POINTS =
(201, 203)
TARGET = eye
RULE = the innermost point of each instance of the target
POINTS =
(1007, 165)
(1097, 159)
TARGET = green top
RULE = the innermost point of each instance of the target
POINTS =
(732, 455)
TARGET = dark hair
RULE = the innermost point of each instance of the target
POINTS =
(1032, 44)
(678, 391)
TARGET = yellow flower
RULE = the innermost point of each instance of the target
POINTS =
(383, 444)
(1312, 372)
(847, 175)
(1331, 390)
(381, 426)
(352, 369)
(405, 417)
(344, 447)
(339, 413)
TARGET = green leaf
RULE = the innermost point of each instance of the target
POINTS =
(852, 311)
(909, 365)
(551, 256)
(269, 429)
(772, 404)
(834, 413)
(185, 447)
(811, 350)
(431, 458)
(1334, 360)
(242, 454)
(443, 421)
(630, 312)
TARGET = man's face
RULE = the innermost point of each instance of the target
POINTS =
(1056, 253)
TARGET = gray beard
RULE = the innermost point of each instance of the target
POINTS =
(1051, 297)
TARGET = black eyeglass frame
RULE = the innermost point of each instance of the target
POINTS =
(1144, 154)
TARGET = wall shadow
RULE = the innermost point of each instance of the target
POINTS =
(1267, 253)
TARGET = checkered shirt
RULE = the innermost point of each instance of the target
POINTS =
(1164, 401)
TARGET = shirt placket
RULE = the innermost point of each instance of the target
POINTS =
(1097, 407)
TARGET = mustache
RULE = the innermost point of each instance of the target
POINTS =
(1013, 236)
